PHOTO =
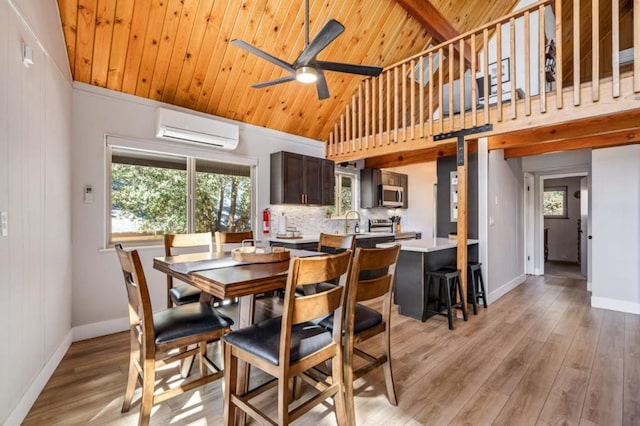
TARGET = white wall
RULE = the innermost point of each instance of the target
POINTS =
(563, 232)
(99, 300)
(420, 214)
(35, 256)
(616, 228)
(505, 227)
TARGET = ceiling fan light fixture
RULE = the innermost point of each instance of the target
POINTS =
(306, 75)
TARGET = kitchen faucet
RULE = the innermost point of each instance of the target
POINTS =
(346, 219)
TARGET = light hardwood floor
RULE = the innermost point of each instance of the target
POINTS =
(539, 355)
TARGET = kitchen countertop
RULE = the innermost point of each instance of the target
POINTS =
(427, 245)
(316, 238)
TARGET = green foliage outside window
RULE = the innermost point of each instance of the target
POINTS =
(555, 202)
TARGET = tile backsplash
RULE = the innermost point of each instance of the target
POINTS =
(312, 220)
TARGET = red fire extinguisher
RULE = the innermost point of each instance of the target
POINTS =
(266, 222)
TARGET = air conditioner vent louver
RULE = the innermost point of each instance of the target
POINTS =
(181, 127)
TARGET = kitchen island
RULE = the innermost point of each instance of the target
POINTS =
(416, 258)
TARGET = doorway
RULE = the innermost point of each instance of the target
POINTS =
(563, 219)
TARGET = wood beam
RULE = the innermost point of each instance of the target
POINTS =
(573, 130)
(418, 156)
(434, 22)
(597, 141)
(462, 228)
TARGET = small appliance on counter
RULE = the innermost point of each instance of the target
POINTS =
(380, 225)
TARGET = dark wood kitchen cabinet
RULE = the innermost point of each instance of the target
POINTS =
(301, 179)
(370, 181)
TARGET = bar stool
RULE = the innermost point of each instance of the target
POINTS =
(448, 284)
(476, 291)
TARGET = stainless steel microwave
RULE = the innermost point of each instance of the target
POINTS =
(391, 196)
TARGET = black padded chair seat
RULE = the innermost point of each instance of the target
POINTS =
(263, 339)
(315, 288)
(187, 320)
(365, 318)
(184, 293)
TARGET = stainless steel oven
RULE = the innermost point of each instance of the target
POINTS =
(391, 196)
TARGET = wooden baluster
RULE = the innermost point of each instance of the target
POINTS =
(576, 53)
(348, 127)
(396, 105)
(354, 122)
(615, 46)
(380, 108)
(327, 151)
(451, 71)
(527, 68)
(359, 115)
(403, 84)
(440, 88)
(498, 71)
(388, 107)
(463, 103)
(636, 46)
(595, 50)
(474, 84)
(512, 67)
(367, 112)
(430, 99)
(421, 96)
(559, 102)
(485, 74)
(413, 98)
(342, 133)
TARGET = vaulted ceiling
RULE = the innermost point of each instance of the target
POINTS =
(178, 51)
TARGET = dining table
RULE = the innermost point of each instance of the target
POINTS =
(218, 275)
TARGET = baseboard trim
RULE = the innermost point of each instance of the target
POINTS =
(506, 288)
(21, 410)
(97, 329)
(615, 305)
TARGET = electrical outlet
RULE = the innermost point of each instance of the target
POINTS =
(4, 224)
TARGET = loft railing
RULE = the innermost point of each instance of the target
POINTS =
(511, 69)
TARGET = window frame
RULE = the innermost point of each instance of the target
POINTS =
(355, 199)
(565, 207)
(191, 153)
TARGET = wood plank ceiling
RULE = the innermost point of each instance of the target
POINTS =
(178, 51)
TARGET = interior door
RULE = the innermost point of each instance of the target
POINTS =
(584, 231)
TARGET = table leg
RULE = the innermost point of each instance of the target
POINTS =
(246, 317)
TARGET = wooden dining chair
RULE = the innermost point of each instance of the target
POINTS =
(289, 345)
(332, 244)
(232, 238)
(163, 337)
(181, 243)
(372, 277)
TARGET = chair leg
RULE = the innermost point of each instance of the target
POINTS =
(148, 386)
(339, 401)
(230, 381)
(445, 283)
(132, 378)
(388, 371)
(202, 354)
(464, 305)
(283, 402)
(471, 286)
(347, 370)
(169, 285)
(482, 289)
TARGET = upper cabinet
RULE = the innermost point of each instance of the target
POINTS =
(371, 181)
(300, 179)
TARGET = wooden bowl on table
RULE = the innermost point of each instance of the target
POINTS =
(260, 254)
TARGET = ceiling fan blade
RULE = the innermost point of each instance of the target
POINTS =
(327, 34)
(274, 82)
(321, 86)
(349, 68)
(264, 55)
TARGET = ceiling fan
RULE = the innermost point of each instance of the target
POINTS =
(306, 68)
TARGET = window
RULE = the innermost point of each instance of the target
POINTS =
(345, 192)
(555, 202)
(151, 196)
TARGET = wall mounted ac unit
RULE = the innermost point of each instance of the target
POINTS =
(178, 126)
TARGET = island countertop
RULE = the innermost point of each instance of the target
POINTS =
(427, 245)
(315, 238)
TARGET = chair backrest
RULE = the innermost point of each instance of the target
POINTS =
(378, 265)
(334, 243)
(201, 240)
(231, 238)
(140, 311)
(312, 270)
